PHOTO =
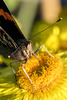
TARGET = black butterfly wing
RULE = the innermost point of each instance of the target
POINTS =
(8, 23)
(6, 44)
(12, 36)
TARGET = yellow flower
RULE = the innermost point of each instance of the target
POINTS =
(49, 79)
(52, 41)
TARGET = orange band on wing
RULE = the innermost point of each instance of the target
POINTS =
(2, 13)
(9, 17)
(5, 15)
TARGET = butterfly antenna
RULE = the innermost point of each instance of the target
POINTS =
(46, 28)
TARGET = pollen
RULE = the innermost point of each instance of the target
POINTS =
(43, 74)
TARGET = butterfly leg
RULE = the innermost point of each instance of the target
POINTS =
(27, 74)
(45, 49)
(22, 69)
(36, 57)
(12, 66)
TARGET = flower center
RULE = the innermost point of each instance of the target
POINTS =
(42, 74)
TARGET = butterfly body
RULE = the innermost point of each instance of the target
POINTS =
(11, 36)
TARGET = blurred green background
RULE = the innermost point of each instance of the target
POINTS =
(34, 16)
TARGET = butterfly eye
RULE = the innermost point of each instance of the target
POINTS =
(23, 48)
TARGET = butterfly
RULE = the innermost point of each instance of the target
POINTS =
(12, 40)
